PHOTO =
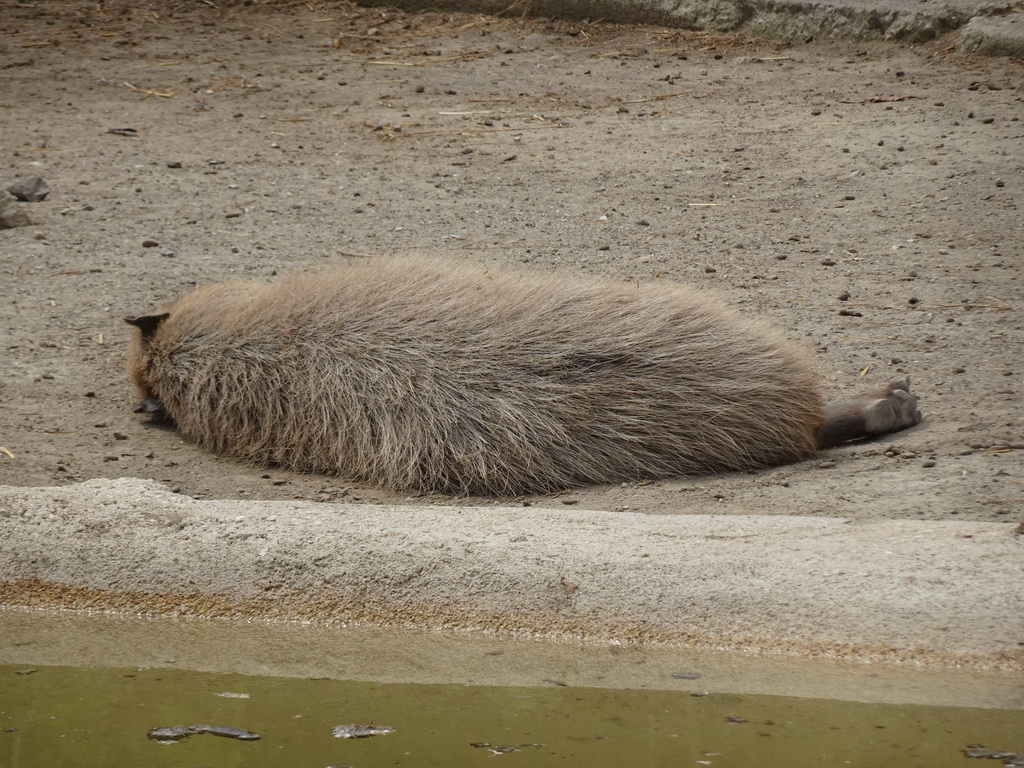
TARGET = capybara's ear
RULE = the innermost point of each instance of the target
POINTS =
(147, 323)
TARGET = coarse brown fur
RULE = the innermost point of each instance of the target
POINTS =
(436, 376)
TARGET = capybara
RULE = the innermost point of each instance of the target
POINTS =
(414, 374)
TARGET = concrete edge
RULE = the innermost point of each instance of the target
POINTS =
(772, 19)
(994, 36)
(932, 594)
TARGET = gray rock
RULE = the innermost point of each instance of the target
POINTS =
(32, 189)
(11, 215)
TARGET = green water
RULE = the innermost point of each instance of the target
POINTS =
(70, 716)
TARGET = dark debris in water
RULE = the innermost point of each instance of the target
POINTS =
(1012, 759)
(360, 731)
(501, 749)
(172, 734)
(230, 732)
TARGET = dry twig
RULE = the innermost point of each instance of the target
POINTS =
(165, 94)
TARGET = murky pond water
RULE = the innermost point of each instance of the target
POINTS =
(81, 690)
(68, 716)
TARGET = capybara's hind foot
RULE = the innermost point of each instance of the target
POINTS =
(889, 409)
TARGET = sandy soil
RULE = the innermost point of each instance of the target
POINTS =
(864, 197)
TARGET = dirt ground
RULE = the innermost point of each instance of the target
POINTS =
(865, 197)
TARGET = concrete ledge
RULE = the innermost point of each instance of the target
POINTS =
(994, 36)
(913, 22)
(929, 593)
